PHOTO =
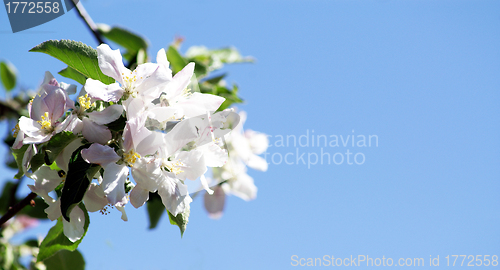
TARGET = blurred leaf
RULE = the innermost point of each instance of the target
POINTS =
(57, 144)
(56, 240)
(76, 55)
(6, 197)
(77, 181)
(18, 156)
(214, 80)
(155, 209)
(65, 260)
(8, 75)
(180, 220)
(38, 211)
(132, 42)
(73, 74)
(177, 63)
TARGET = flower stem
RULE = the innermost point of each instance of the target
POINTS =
(16, 208)
(88, 20)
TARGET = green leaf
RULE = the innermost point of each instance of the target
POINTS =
(57, 144)
(73, 74)
(8, 75)
(177, 63)
(180, 220)
(76, 55)
(37, 161)
(118, 124)
(132, 42)
(77, 181)
(18, 156)
(56, 240)
(65, 260)
(155, 209)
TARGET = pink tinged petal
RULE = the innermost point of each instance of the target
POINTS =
(183, 133)
(150, 86)
(122, 210)
(54, 210)
(18, 143)
(38, 139)
(71, 123)
(111, 63)
(100, 154)
(38, 108)
(142, 72)
(214, 204)
(94, 132)
(114, 183)
(150, 144)
(134, 107)
(174, 195)
(100, 91)
(62, 160)
(56, 104)
(106, 116)
(68, 88)
(138, 196)
(74, 229)
(94, 198)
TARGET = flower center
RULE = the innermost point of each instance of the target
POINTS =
(130, 157)
(45, 123)
(129, 83)
(85, 102)
(174, 166)
(15, 130)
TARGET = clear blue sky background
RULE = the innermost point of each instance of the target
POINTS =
(421, 75)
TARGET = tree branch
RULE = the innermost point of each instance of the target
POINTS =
(16, 208)
(88, 21)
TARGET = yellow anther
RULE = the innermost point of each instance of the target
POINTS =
(131, 156)
(85, 102)
(174, 167)
(186, 92)
(16, 130)
(45, 123)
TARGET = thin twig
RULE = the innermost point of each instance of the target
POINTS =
(16, 208)
(88, 20)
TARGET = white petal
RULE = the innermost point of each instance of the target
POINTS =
(54, 210)
(74, 229)
(244, 187)
(94, 132)
(94, 198)
(138, 196)
(62, 159)
(257, 163)
(180, 81)
(122, 209)
(111, 63)
(174, 195)
(100, 154)
(106, 116)
(100, 91)
(114, 183)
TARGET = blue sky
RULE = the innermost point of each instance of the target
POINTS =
(422, 76)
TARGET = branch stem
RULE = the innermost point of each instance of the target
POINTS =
(16, 208)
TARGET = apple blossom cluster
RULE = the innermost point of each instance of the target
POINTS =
(148, 125)
(232, 178)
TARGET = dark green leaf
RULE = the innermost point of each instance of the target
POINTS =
(155, 209)
(214, 80)
(56, 240)
(118, 124)
(73, 74)
(180, 220)
(38, 211)
(18, 156)
(37, 161)
(65, 260)
(77, 55)
(177, 63)
(57, 143)
(77, 182)
(8, 75)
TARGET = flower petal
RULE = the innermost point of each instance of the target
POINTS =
(94, 132)
(214, 204)
(100, 154)
(114, 183)
(106, 116)
(111, 62)
(100, 91)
